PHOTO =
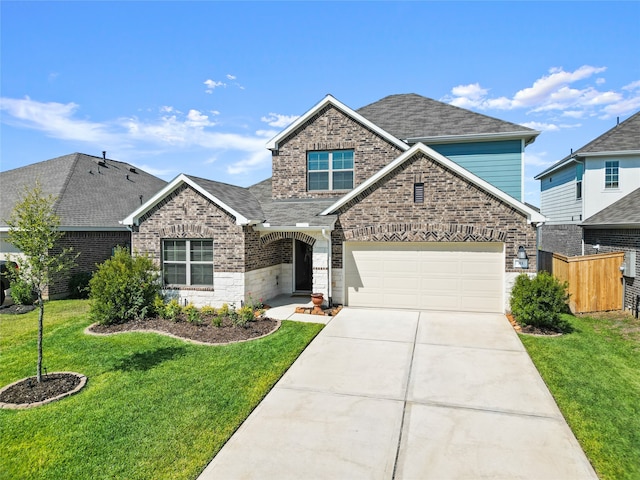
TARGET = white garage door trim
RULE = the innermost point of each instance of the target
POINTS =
(460, 276)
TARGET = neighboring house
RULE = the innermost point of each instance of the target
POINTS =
(362, 206)
(617, 229)
(92, 195)
(587, 181)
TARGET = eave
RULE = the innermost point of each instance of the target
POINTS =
(529, 137)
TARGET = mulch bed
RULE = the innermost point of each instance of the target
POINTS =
(29, 391)
(16, 309)
(531, 330)
(204, 332)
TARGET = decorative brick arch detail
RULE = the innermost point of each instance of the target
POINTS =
(275, 236)
(188, 230)
(425, 232)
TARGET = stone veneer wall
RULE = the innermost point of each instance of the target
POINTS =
(93, 247)
(618, 240)
(563, 239)
(329, 129)
(454, 210)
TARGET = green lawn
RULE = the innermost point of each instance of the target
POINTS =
(154, 407)
(594, 375)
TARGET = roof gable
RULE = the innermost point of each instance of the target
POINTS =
(330, 100)
(239, 202)
(532, 215)
(414, 118)
(623, 139)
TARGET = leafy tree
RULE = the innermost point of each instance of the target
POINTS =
(34, 230)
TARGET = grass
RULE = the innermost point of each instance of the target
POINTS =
(154, 407)
(594, 375)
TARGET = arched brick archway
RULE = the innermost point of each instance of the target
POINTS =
(188, 230)
(275, 236)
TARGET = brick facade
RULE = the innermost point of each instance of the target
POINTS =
(93, 247)
(618, 240)
(454, 210)
(563, 239)
(329, 129)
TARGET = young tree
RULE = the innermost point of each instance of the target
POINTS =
(33, 229)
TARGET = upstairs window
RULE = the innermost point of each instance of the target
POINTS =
(611, 174)
(330, 170)
(579, 173)
(187, 262)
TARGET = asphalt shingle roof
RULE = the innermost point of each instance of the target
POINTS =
(621, 138)
(88, 195)
(625, 211)
(414, 116)
(238, 198)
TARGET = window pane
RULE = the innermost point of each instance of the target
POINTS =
(611, 174)
(201, 274)
(201, 250)
(579, 172)
(342, 180)
(343, 160)
(318, 180)
(175, 274)
(318, 161)
(175, 250)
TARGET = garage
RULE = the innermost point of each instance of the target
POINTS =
(428, 275)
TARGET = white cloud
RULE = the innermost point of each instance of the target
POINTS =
(566, 92)
(537, 159)
(543, 127)
(212, 85)
(279, 121)
(231, 77)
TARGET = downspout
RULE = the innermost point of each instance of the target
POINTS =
(328, 239)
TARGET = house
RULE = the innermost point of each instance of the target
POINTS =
(92, 195)
(407, 203)
(616, 228)
(587, 181)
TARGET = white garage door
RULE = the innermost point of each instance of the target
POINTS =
(435, 276)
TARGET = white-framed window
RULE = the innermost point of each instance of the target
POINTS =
(611, 174)
(187, 262)
(330, 170)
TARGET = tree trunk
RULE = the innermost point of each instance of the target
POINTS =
(40, 328)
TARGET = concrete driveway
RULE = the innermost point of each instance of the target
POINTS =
(383, 394)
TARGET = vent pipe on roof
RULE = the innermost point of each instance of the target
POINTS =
(140, 199)
(104, 154)
(617, 121)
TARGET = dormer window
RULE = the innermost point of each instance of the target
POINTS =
(330, 170)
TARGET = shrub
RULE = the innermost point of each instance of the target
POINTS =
(79, 285)
(172, 310)
(193, 315)
(123, 288)
(243, 316)
(540, 301)
(225, 310)
(158, 305)
(216, 320)
(208, 311)
(22, 292)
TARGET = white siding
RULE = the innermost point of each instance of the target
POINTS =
(595, 195)
(558, 197)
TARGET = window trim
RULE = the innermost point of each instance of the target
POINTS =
(330, 170)
(188, 262)
(579, 175)
(609, 182)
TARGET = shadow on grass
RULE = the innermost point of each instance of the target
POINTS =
(147, 360)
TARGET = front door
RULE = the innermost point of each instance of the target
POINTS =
(303, 254)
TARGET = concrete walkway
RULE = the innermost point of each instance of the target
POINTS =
(383, 394)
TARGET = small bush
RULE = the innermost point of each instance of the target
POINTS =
(540, 301)
(79, 285)
(158, 305)
(123, 288)
(243, 316)
(193, 315)
(216, 320)
(225, 310)
(22, 292)
(207, 311)
(172, 310)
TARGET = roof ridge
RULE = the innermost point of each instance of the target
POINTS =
(67, 180)
(613, 130)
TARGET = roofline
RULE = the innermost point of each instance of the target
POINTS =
(273, 144)
(576, 155)
(63, 228)
(134, 217)
(532, 215)
(517, 135)
(266, 227)
(610, 225)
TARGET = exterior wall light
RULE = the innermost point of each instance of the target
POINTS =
(523, 260)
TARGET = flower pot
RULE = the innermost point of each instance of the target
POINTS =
(317, 299)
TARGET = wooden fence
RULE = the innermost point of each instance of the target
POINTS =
(595, 281)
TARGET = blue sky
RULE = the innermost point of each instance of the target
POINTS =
(200, 87)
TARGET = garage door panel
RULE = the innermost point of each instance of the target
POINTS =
(442, 276)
